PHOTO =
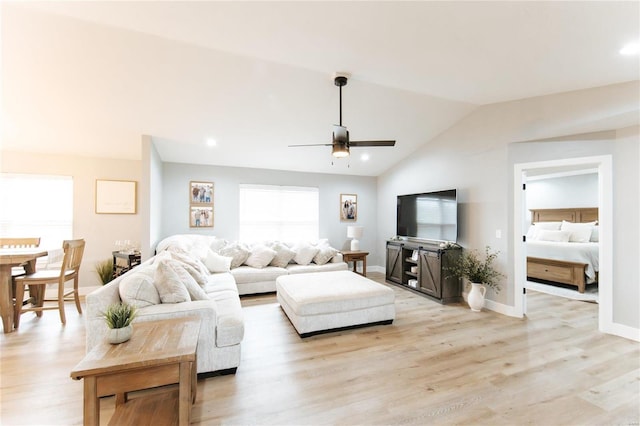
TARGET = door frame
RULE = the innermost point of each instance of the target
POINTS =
(605, 221)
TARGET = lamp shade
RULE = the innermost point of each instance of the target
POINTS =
(355, 231)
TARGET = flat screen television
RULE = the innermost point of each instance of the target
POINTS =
(428, 216)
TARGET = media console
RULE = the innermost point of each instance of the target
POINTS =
(422, 267)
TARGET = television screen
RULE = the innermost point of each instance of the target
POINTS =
(428, 216)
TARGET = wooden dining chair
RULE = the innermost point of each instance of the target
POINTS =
(37, 282)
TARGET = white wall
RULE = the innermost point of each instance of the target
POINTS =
(100, 231)
(477, 156)
(175, 202)
(559, 192)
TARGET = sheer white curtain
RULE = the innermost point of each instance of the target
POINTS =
(284, 213)
(37, 206)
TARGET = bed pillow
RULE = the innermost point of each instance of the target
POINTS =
(283, 256)
(595, 234)
(552, 235)
(260, 256)
(551, 226)
(304, 253)
(169, 286)
(579, 232)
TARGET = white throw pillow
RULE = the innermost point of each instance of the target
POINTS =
(169, 286)
(283, 255)
(551, 226)
(238, 252)
(137, 288)
(555, 236)
(304, 253)
(595, 234)
(217, 263)
(324, 255)
(260, 256)
(217, 244)
(194, 266)
(579, 232)
(195, 291)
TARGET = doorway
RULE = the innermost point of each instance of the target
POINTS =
(603, 165)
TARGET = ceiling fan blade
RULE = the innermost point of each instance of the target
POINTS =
(372, 143)
(313, 144)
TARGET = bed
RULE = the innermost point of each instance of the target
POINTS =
(551, 258)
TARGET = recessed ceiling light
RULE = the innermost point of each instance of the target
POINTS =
(211, 142)
(630, 49)
(364, 157)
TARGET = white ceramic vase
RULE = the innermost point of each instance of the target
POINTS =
(475, 298)
(119, 335)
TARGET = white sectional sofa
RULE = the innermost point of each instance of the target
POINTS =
(163, 287)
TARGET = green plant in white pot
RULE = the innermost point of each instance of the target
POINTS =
(479, 272)
(119, 317)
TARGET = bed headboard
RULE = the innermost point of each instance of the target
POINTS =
(578, 215)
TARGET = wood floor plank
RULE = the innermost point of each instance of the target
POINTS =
(434, 365)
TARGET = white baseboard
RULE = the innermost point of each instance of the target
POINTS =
(376, 268)
(622, 330)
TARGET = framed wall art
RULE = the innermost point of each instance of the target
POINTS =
(348, 207)
(116, 196)
(200, 204)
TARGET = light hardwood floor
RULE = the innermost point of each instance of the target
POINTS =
(434, 365)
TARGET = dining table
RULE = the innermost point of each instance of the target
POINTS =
(10, 257)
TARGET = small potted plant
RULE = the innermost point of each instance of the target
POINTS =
(104, 268)
(119, 317)
(479, 273)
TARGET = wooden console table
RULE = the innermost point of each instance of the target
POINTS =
(159, 353)
(355, 256)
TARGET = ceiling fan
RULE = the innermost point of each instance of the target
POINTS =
(341, 143)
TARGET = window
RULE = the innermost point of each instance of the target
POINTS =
(284, 213)
(37, 206)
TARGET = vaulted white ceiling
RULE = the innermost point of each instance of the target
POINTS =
(91, 77)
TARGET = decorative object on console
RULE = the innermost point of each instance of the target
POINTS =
(348, 207)
(355, 233)
(200, 204)
(119, 317)
(479, 273)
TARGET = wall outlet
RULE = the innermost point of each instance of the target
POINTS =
(498, 233)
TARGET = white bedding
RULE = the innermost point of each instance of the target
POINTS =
(572, 252)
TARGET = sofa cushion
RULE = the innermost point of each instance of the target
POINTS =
(169, 285)
(247, 274)
(238, 252)
(304, 253)
(137, 289)
(260, 256)
(230, 321)
(283, 256)
(324, 255)
(220, 282)
(216, 262)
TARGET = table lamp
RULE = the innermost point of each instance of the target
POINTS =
(355, 233)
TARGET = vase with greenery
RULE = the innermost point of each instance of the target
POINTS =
(104, 268)
(118, 317)
(479, 272)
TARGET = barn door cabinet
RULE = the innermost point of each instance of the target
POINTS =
(422, 268)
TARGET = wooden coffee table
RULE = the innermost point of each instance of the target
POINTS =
(159, 353)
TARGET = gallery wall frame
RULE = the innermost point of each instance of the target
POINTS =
(201, 204)
(116, 196)
(348, 207)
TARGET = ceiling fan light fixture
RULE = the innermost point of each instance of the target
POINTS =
(340, 150)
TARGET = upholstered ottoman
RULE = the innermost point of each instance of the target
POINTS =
(325, 301)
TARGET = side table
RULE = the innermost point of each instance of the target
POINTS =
(355, 256)
(123, 262)
(159, 353)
